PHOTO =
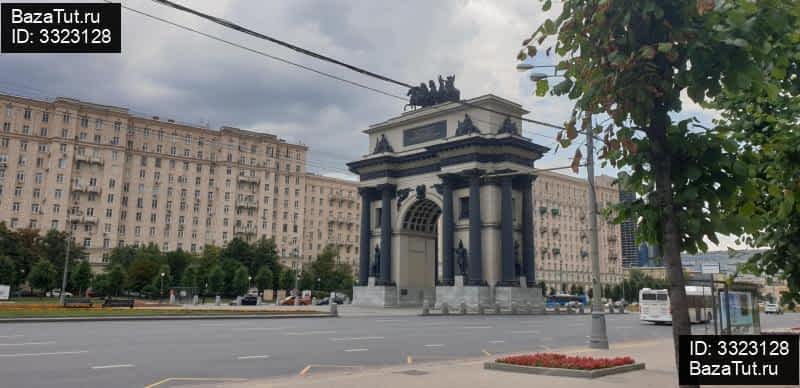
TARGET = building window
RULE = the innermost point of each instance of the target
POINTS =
(463, 204)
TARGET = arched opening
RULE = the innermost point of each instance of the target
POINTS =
(422, 216)
(419, 259)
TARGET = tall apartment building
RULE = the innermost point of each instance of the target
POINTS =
(117, 178)
(561, 239)
(333, 212)
(630, 252)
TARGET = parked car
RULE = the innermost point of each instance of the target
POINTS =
(57, 293)
(338, 299)
(289, 301)
(249, 300)
(772, 308)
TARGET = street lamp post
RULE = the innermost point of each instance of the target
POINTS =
(66, 263)
(249, 282)
(297, 288)
(598, 338)
(161, 294)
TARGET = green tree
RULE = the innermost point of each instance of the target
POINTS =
(177, 261)
(53, 247)
(42, 276)
(141, 272)
(240, 283)
(240, 251)
(323, 268)
(630, 61)
(216, 280)
(122, 256)
(287, 279)
(8, 272)
(265, 252)
(117, 278)
(263, 279)
(81, 277)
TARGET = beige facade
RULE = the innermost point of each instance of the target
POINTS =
(333, 212)
(121, 179)
(561, 226)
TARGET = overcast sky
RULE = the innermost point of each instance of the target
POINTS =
(174, 73)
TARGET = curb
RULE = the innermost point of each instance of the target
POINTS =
(586, 374)
(161, 318)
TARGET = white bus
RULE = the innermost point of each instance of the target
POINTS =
(654, 305)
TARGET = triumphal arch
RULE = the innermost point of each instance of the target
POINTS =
(447, 207)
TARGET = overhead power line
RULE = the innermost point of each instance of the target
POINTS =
(312, 54)
(300, 50)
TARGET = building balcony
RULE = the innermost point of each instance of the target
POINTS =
(556, 251)
(543, 230)
(248, 179)
(245, 229)
(77, 219)
(612, 238)
(343, 196)
(555, 231)
(542, 210)
(247, 204)
(89, 159)
(555, 212)
(82, 187)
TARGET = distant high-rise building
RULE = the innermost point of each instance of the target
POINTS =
(630, 253)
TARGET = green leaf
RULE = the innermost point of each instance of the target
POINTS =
(738, 42)
(549, 27)
(541, 87)
(546, 5)
(664, 47)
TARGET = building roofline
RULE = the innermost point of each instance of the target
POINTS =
(331, 179)
(80, 104)
(437, 110)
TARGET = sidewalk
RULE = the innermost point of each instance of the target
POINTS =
(658, 355)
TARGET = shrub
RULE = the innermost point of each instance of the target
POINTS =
(554, 360)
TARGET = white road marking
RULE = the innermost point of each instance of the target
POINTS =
(113, 366)
(525, 332)
(30, 343)
(11, 336)
(356, 350)
(263, 356)
(497, 342)
(476, 327)
(434, 345)
(356, 338)
(391, 320)
(257, 328)
(43, 354)
(310, 332)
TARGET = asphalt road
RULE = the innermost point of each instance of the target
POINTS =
(136, 354)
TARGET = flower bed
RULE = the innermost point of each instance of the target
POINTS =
(553, 360)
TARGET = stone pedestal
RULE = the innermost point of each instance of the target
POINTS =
(459, 293)
(506, 296)
(375, 296)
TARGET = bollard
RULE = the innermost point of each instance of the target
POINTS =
(528, 307)
(480, 309)
(334, 309)
(425, 307)
(463, 308)
(195, 300)
(445, 309)
(513, 308)
(217, 301)
(497, 308)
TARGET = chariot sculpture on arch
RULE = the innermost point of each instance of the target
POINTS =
(428, 95)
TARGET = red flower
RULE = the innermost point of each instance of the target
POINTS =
(554, 360)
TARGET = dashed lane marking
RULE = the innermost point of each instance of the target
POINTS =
(434, 345)
(355, 339)
(257, 328)
(476, 327)
(164, 381)
(356, 350)
(311, 332)
(44, 354)
(113, 366)
(30, 343)
(497, 342)
(261, 357)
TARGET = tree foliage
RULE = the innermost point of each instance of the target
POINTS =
(80, 277)
(630, 61)
(42, 276)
